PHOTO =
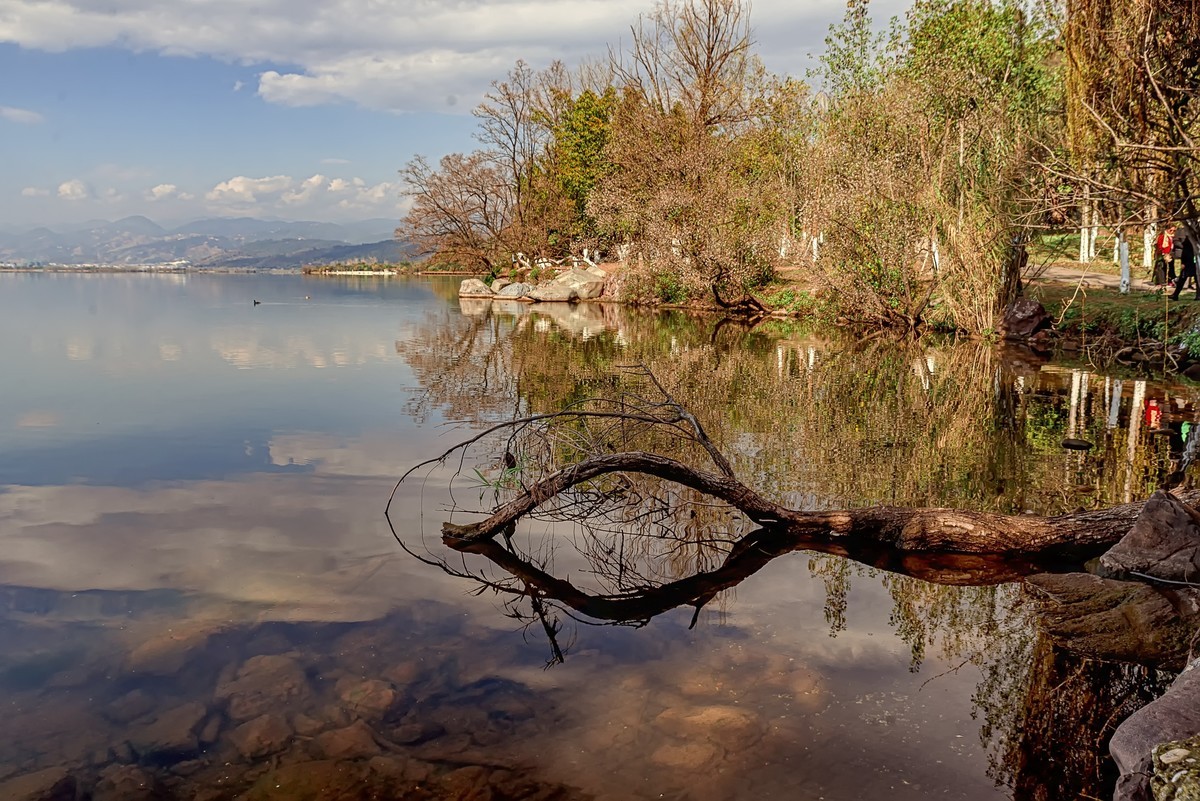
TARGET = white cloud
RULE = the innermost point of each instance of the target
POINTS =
(74, 190)
(315, 195)
(402, 56)
(237, 86)
(306, 191)
(21, 115)
(167, 192)
(335, 161)
(34, 191)
(162, 192)
(242, 190)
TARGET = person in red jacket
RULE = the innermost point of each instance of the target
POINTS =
(1164, 261)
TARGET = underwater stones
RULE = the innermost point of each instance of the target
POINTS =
(130, 706)
(727, 726)
(355, 741)
(1164, 543)
(685, 756)
(266, 734)
(171, 651)
(126, 783)
(263, 684)
(52, 784)
(415, 732)
(370, 697)
(171, 734)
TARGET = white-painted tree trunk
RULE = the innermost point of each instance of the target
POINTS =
(1085, 228)
(1149, 234)
(1095, 229)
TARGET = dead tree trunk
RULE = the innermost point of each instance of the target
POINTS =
(900, 529)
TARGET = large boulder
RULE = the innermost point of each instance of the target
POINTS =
(553, 292)
(517, 290)
(588, 283)
(474, 288)
(1164, 543)
(1024, 318)
(574, 284)
(1173, 717)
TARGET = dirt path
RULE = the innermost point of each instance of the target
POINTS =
(1092, 278)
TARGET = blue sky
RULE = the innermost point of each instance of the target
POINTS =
(298, 109)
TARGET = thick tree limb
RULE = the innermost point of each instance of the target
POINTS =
(901, 529)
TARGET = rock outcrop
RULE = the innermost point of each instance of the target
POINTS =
(510, 291)
(1173, 717)
(474, 288)
(1023, 319)
(1163, 544)
(574, 284)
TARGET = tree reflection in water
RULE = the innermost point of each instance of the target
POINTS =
(813, 424)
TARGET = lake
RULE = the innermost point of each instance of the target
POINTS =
(200, 596)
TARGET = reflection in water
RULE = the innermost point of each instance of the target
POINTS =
(198, 592)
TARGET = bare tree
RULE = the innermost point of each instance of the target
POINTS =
(1133, 106)
(694, 53)
(461, 213)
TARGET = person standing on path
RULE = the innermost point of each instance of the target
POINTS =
(1164, 257)
(1187, 262)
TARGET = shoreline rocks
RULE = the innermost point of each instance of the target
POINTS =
(571, 286)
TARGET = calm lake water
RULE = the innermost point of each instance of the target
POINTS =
(200, 596)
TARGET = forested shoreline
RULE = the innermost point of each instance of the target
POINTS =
(901, 180)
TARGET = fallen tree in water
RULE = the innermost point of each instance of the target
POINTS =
(568, 465)
(900, 528)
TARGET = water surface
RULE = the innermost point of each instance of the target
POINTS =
(198, 588)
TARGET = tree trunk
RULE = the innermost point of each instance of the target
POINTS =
(901, 530)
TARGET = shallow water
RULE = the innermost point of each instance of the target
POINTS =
(199, 591)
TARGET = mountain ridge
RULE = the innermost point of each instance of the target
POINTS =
(247, 242)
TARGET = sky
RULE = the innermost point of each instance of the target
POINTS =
(289, 109)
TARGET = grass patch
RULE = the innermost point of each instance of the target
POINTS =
(1132, 318)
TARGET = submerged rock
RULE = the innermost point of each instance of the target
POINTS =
(171, 735)
(126, 783)
(52, 784)
(370, 697)
(1164, 543)
(264, 735)
(352, 742)
(263, 684)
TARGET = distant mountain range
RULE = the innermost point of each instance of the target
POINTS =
(241, 242)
